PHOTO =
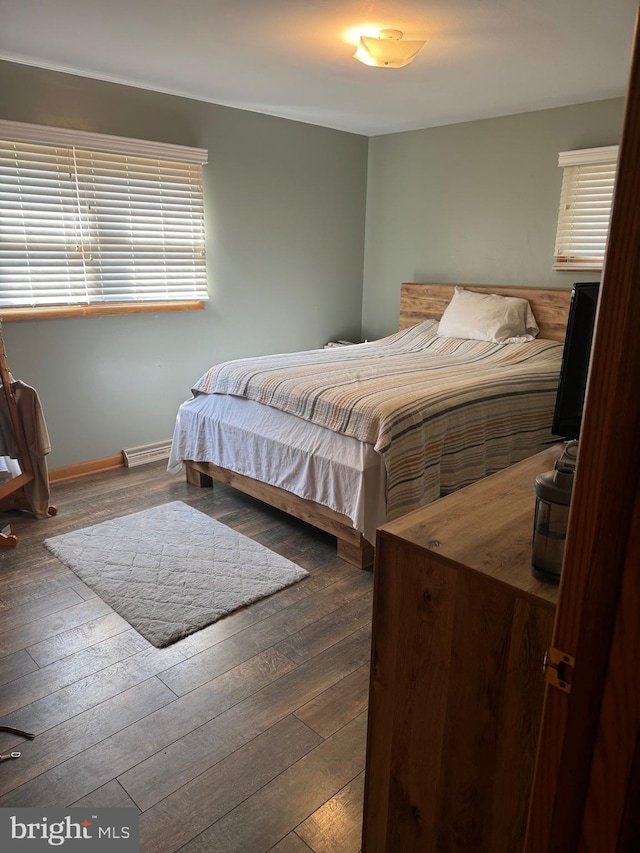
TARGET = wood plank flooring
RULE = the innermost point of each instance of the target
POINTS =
(248, 736)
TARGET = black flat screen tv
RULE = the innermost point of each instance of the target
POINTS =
(572, 386)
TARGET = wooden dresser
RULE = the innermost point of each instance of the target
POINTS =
(460, 628)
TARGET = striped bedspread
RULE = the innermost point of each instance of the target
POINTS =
(443, 412)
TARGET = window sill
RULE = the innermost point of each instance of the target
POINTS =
(57, 312)
(596, 266)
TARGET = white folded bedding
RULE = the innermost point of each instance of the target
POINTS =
(258, 441)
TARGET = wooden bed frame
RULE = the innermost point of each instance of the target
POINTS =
(417, 302)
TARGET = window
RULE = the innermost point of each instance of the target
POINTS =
(586, 196)
(87, 219)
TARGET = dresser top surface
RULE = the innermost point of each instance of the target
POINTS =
(487, 526)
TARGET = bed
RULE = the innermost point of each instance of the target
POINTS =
(348, 438)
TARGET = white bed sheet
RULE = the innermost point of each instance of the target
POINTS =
(283, 450)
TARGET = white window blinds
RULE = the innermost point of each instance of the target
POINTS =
(586, 197)
(87, 218)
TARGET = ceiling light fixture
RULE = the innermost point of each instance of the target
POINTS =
(387, 50)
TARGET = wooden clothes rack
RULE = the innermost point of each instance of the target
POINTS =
(12, 494)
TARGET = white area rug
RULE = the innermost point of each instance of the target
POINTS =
(171, 570)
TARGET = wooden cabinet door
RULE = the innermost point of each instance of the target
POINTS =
(588, 768)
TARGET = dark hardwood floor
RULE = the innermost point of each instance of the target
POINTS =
(248, 736)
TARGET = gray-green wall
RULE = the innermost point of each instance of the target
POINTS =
(285, 213)
(472, 203)
(310, 232)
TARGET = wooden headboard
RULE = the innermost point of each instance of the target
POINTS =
(424, 301)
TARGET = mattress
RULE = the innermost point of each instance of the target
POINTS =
(377, 429)
(311, 461)
(442, 412)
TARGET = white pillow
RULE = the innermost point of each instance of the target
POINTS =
(488, 317)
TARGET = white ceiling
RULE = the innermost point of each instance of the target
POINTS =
(293, 58)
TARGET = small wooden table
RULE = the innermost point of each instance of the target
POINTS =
(460, 628)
